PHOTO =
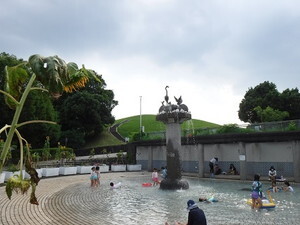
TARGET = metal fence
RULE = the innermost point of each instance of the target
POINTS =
(233, 128)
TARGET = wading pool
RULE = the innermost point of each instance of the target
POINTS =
(135, 204)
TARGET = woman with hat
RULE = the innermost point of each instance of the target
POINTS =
(196, 215)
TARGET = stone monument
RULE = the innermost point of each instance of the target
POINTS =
(172, 116)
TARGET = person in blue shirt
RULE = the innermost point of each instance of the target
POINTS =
(164, 172)
(208, 200)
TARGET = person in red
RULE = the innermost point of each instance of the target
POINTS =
(155, 177)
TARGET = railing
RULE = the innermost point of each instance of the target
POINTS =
(288, 125)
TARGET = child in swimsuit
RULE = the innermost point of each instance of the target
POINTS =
(155, 177)
(256, 192)
(208, 200)
(93, 177)
(287, 186)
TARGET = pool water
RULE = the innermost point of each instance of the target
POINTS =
(135, 204)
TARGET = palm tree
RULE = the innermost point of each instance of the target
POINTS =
(49, 74)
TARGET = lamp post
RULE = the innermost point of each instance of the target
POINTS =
(140, 117)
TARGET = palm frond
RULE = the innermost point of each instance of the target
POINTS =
(51, 71)
(78, 77)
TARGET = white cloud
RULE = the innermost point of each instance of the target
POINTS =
(210, 52)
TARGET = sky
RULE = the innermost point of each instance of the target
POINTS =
(210, 52)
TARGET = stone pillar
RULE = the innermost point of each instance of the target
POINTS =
(243, 161)
(150, 159)
(296, 160)
(201, 160)
(173, 134)
(172, 116)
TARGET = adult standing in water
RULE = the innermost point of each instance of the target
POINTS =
(196, 215)
(212, 164)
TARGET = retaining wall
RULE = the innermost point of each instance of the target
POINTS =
(250, 153)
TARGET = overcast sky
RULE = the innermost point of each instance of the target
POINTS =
(207, 51)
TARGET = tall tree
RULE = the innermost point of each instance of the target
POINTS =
(263, 95)
(290, 101)
(264, 104)
(87, 111)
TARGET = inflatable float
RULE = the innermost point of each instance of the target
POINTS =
(146, 184)
(267, 203)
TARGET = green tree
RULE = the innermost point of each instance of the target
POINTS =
(87, 111)
(84, 112)
(264, 103)
(290, 102)
(39, 106)
(263, 95)
(268, 114)
(5, 112)
(73, 138)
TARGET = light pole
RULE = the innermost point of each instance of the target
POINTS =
(140, 117)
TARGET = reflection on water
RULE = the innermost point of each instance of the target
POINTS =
(135, 204)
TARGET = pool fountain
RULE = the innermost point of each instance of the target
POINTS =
(172, 116)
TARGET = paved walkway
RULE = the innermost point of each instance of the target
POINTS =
(113, 130)
(52, 201)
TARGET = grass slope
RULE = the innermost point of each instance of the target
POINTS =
(148, 121)
(151, 125)
(105, 139)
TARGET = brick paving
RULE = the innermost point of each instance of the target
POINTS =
(52, 201)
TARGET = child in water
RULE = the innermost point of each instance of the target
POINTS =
(288, 187)
(98, 176)
(115, 186)
(256, 192)
(208, 200)
(93, 177)
(155, 177)
(163, 172)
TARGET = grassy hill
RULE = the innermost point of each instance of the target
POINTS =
(151, 125)
(105, 139)
(127, 129)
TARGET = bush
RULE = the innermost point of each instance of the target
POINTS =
(64, 153)
(12, 168)
(292, 126)
(230, 129)
(136, 136)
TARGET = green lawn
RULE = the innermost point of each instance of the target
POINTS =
(151, 125)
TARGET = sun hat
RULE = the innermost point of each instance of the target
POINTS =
(191, 204)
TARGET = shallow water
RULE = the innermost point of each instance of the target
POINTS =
(135, 204)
